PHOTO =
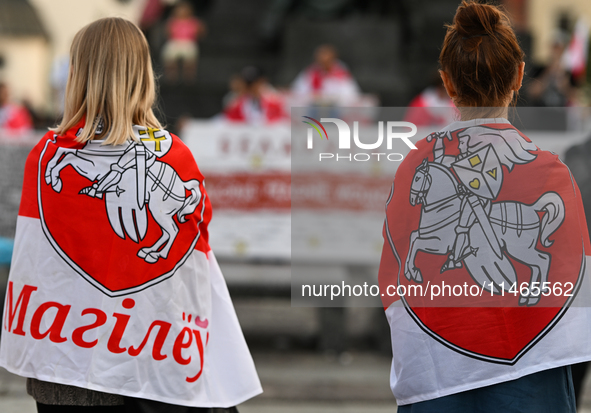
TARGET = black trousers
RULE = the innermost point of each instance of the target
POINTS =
(132, 405)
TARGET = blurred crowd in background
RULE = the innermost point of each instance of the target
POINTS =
(251, 61)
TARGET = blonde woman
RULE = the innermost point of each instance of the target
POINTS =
(115, 301)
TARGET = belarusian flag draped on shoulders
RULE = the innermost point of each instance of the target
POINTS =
(113, 286)
(484, 267)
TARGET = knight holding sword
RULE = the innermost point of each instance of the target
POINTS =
(479, 170)
(139, 155)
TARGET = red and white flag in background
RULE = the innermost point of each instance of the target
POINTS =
(574, 58)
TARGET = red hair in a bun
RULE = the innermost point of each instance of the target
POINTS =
(481, 55)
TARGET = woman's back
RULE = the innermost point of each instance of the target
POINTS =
(113, 285)
(484, 264)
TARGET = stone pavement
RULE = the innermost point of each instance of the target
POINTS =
(294, 382)
(13, 395)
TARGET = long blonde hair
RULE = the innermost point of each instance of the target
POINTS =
(111, 79)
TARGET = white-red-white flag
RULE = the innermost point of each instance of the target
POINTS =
(113, 286)
(575, 55)
(484, 272)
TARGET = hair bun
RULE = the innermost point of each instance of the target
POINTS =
(481, 55)
(474, 19)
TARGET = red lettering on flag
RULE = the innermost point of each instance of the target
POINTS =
(54, 331)
(101, 318)
(23, 301)
(163, 330)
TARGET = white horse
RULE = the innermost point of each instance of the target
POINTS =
(165, 193)
(517, 227)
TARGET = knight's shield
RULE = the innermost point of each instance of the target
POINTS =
(133, 235)
(481, 172)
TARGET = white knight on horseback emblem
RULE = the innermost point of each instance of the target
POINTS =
(460, 218)
(132, 179)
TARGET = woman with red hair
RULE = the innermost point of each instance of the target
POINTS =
(487, 226)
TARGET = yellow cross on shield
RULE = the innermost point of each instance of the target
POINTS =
(152, 138)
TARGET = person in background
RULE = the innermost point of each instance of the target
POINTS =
(577, 159)
(253, 100)
(552, 85)
(327, 82)
(15, 119)
(184, 30)
(431, 107)
(236, 86)
(60, 70)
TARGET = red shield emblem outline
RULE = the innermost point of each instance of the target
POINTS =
(491, 327)
(80, 230)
